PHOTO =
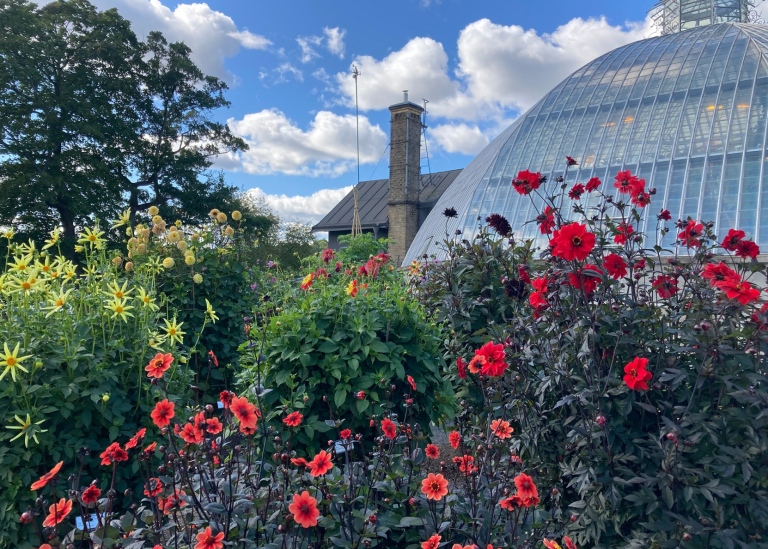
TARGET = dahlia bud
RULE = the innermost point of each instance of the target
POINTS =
(687, 537)
(600, 420)
(26, 517)
(372, 519)
(360, 395)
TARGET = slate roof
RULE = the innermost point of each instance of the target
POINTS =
(372, 200)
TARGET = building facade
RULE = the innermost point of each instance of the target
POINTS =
(687, 111)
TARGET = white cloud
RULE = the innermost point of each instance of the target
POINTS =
(514, 67)
(305, 209)
(308, 45)
(500, 67)
(459, 138)
(325, 148)
(286, 70)
(212, 35)
(335, 40)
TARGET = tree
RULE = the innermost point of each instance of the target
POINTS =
(94, 121)
(67, 103)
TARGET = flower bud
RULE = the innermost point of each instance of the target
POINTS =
(600, 420)
(26, 517)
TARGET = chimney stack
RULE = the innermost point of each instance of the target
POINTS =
(404, 176)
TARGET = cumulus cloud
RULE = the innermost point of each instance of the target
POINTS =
(326, 148)
(308, 45)
(334, 40)
(500, 67)
(212, 35)
(459, 138)
(304, 209)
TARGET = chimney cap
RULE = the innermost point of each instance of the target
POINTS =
(406, 103)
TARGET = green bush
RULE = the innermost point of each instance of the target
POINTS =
(677, 463)
(337, 357)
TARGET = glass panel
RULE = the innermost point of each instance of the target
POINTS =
(733, 68)
(729, 195)
(655, 123)
(659, 181)
(721, 114)
(669, 132)
(757, 116)
(750, 187)
(675, 193)
(692, 191)
(738, 122)
(690, 112)
(763, 214)
(710, 193)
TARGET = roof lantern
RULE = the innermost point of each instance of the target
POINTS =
(671, 16)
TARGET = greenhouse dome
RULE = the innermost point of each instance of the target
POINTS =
(687, 111)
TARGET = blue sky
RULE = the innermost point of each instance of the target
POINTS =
(480, 63)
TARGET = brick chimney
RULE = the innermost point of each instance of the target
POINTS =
(404, 174)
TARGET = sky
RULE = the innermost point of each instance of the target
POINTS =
(479, 63)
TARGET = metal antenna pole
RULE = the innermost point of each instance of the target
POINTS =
(356, 225)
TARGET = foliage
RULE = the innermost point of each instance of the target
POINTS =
(143, 137)
(75, 345)
(342, 343)
(638, 463)
(360, 247)
(233, 476)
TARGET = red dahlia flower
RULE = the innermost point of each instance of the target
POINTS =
(665, 285)
(501, 428)
(345, 434)
(320, 464)
(91, 495)
(526, 488)
(466, 464)
(135, 439)
(112, 454)
(153, 487)
(592, 184)
(747, 248)
(46, 478)
(434, 486)
(546, 220)
(208, 540)
(691, 233)
(636, 376)
(623, 231)
(159, 365)
(572, 242)
(576, 191)
(586, 278)
(226, 398)
(742, 291)
(293, 419)
(461, 366)
(432, 451)
(163, 413)
(389, 428)
(495, 359)
(245, 412)
(732, 239)
(304, 509)
(527, 182)
(454, 438)
(58, 512)
(571, 161)
(432, 543)
(411, 382)
(719, 272)
(191, 434)
(615, 266)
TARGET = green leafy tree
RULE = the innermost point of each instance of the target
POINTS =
(94, 121)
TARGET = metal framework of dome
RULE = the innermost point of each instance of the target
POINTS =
(687, 111)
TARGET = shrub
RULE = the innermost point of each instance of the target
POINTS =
(233, 476)
(343, 345)
(637, 383)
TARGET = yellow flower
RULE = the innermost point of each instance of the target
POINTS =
(20, 264)
(189, 259)
(79, 249)
(210, 313)
(178, 223)
(118, 292)
(91, 237)
(168, 263)
(58, 302)
(221, 217)
(197, 278)
(9, 234)
(181, 245)
(153, 211)
(173, 331)
(11, 361)
(124, 219)
(229, 231)
(28, 248)
(213, 213)
(28, 284)
(175, 236)
(236, 215)
(146, 299)
(45, 267)
(129, 266)
(55, 234)
(26, 429)
(70, 273)
(157, 220)
(119, 309)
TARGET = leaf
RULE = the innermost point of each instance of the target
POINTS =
(328, 346)
(362, 405)
(215, 507)
(411, 521)
(339, 397)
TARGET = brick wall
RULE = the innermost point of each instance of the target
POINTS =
(404, 172)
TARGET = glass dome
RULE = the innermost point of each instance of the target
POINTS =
(686, 111)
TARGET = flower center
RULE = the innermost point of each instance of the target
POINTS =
(10, 361)
(576, 241)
